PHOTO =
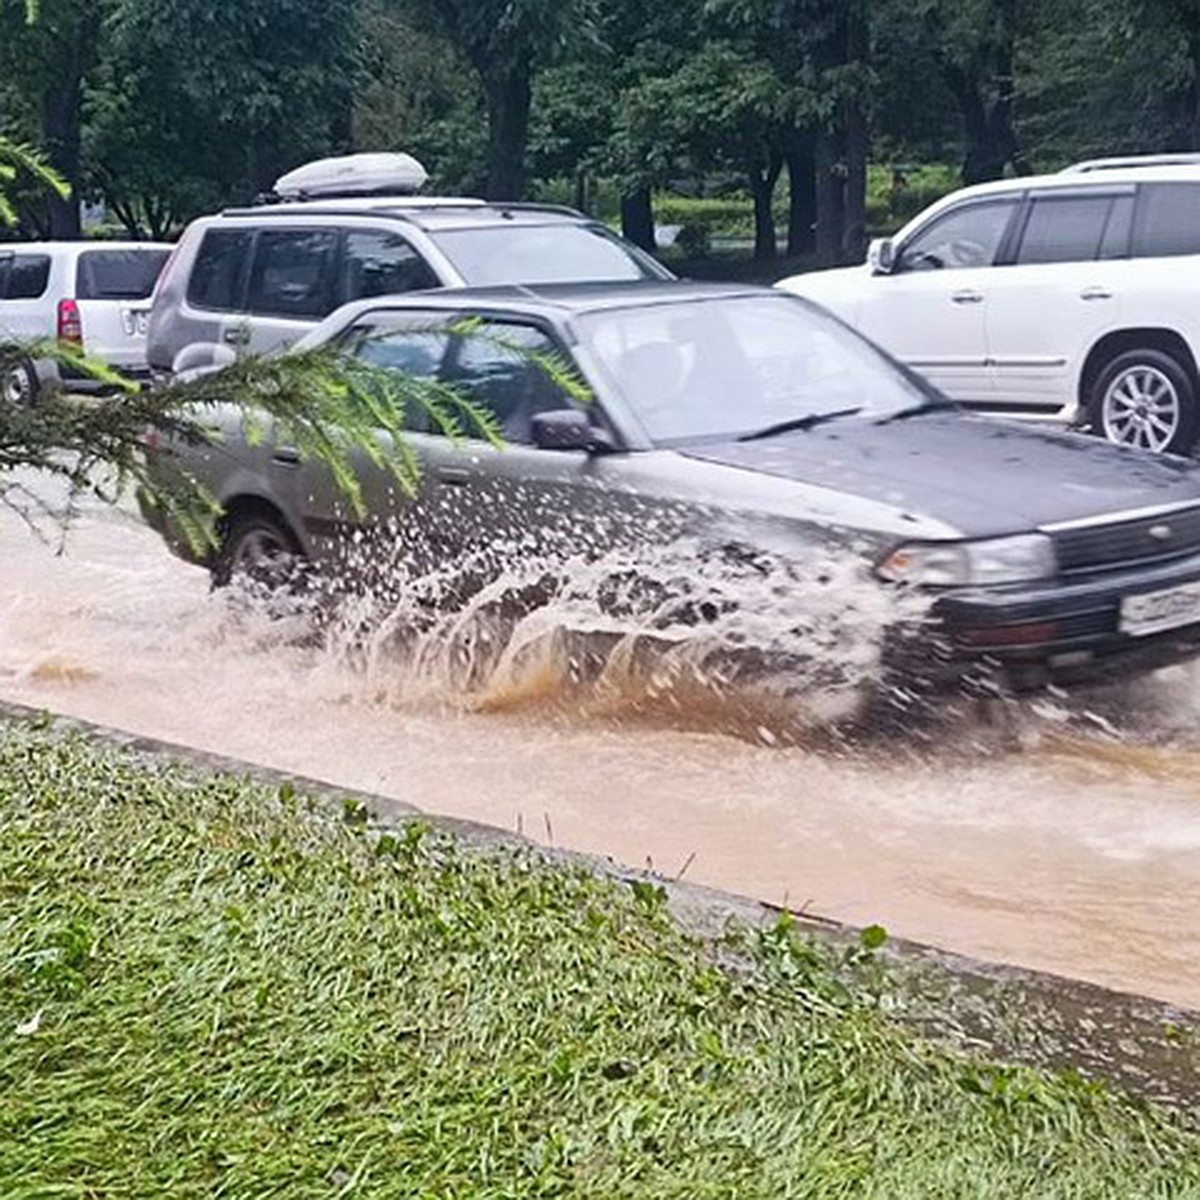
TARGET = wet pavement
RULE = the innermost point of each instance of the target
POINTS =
(1066, 839)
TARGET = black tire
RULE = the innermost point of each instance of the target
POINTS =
(1145, 398)
(261, 549)
(19, 384)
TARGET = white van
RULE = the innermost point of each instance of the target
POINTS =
(95, 295)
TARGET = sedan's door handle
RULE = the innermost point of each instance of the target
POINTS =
(1095, 293)
(286, 456)
(458, 476)
(235, 335)
(967, 297)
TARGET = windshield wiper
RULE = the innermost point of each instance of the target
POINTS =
(809, 422)
(919, 410)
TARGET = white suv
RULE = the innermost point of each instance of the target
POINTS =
(94, 294)
(1070, 297)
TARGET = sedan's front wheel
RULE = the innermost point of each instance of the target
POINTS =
(1145, 399)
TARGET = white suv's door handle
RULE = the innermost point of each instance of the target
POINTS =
(967, 297)
(1095, 293)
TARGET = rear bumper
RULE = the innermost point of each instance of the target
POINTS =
(1067, 631)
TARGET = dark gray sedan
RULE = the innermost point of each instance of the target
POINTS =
(755, 424)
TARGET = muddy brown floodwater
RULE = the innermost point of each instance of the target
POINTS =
(1070, 845)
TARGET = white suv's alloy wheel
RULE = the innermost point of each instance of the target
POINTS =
(17, 385)
(1141, 408)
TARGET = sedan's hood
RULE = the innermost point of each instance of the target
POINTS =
(980, 476)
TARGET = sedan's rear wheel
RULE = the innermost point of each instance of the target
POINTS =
(1145, 399)
(259, 549)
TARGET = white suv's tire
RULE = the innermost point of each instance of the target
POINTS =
(1146, 399)
(19, 384)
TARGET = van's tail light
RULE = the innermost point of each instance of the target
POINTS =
(70, 327)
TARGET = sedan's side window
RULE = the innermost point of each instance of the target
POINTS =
(377, 262)
(496, 366)
(416, 350)
(969, 236)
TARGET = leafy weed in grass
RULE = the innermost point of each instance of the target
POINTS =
(207, 991)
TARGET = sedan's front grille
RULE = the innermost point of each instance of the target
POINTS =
(1143, 540)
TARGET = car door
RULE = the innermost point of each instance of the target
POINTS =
(930, 312)
(414, 343)
(517, 495)
(1058, 295)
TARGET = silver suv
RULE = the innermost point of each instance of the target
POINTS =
(256, 279)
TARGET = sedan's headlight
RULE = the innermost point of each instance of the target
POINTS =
(959, 564)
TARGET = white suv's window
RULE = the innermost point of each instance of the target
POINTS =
(968, 236)
(1168, 220)
(24, 276)
(1068, 228)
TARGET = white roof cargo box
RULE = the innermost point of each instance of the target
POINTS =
(353, 175)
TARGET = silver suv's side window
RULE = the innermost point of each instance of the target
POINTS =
(1063, 229)
(1168, 220)
(377, 262)
(968, 236)
(218, 279)
(292, 274)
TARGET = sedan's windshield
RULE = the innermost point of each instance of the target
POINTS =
(563, 253)
(723, 368)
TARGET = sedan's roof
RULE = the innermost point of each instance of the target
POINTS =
(564, 297)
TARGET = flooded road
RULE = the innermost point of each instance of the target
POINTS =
(1075, 848)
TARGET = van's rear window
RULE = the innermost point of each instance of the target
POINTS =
(118, 274)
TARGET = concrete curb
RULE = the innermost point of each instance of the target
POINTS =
(1139, 1044)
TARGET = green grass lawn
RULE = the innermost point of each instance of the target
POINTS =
(207, 990)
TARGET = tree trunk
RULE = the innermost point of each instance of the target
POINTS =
(854, 232)
(831, 215)
(508, 93)
(762, 187)
(62, 127)
(802, 204)
(637, 218)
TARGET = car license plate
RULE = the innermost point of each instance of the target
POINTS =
(1152, 612)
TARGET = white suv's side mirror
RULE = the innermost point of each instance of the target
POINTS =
(881, 256)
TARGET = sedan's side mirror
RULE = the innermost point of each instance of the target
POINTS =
(568, 429)
(881, 256)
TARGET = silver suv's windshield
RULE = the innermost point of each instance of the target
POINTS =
(733, 366)
(562, 253)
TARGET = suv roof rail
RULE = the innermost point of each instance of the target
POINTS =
(405, 208)
(1182, 159)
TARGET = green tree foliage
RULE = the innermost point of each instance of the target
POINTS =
(335, 409)
(22, 165)
(506, 43)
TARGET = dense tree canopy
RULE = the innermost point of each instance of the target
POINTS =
(166, 108)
